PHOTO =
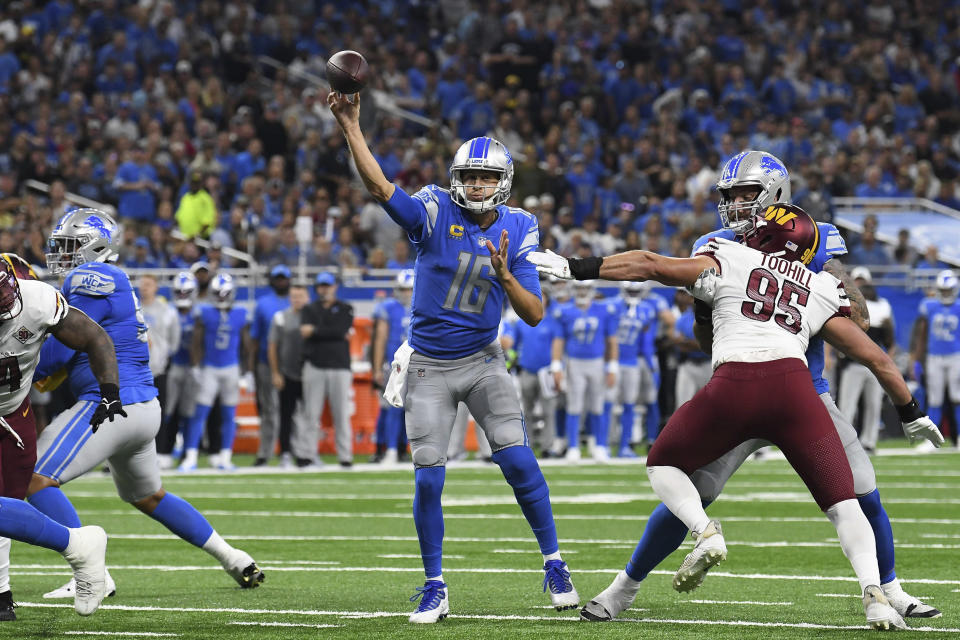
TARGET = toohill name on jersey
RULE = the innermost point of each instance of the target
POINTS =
(764, 308)
(22, 337)
(831, 246)
(457, 298)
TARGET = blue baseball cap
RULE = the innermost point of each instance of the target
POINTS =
(325, 278)
(280, 271)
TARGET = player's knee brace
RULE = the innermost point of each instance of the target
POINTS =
(508, 434)
(520, 468)
(427, 456)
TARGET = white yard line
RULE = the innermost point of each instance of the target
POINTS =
(125, 634)
(762, 604)
(283, 624)
(415, 556)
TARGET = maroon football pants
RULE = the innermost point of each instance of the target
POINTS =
(774, 401)
(16, 464)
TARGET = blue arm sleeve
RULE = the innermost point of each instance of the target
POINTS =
(54, 355)
(406, 211)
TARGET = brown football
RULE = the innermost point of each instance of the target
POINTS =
(347, 71)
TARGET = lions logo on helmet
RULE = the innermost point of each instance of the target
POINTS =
(756, 169)
(81, 236)
(405, 279)
(184, 290)
(481, 154)
(947, 286)
(223, 290)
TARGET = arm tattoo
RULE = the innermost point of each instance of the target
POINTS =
(858, 305)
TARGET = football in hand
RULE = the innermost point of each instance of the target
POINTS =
(347, 71)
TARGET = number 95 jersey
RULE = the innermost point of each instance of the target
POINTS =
(764, 308)
(22, 337)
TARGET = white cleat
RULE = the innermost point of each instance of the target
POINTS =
(242, 568)
(389, 457)
(572, 455)
(613, 600)
(68, 590)
(434, 603)
(710, 551)
(905, 604)
(556, 580)
(86, 552)
(601, 454)
(880, 615)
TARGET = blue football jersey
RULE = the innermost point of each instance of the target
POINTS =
(632, 320)
(534, 345)
(182, 355)
(222, 329)
(585, 331)
(398, 323)
(457, 298)
(104, 293)
(648, 344)
(266, 308)
(684, 327)
(943, 322)
(831, 246)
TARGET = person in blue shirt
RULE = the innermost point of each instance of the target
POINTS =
(660, 323)
(462, 282)
(268, 407)
(137, 181)
(587, 340)
(694, 369)
(937, 346)
(220, 330)
(84, 244)
(391, 327)
(750, 183)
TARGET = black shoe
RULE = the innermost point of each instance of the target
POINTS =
(376, 458)
(404, 456)
(6, 606)
(260, 462)
(304, 462)
(346, 464)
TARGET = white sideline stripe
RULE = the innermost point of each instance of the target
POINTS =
(284, 624)
(567, 619)
(854, 595)
(139, 634)
(566, 552)
(415, 556)
(762, 604)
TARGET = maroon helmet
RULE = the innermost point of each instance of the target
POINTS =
(784, 231)
(11, 302)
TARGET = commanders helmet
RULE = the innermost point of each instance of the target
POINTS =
(11, 302)
(482, 154)
(751, 168)
(184, 290)
(223, 290)
(81, 236)
(947, 286)
(784, 231)
(22, 268)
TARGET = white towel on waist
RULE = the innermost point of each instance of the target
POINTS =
(396, 387)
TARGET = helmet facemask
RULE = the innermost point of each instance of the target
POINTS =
(583, 293)
(11, 302)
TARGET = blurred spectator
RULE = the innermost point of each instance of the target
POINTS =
(136, 180)
(285, 355)
(868, 251)
(931, 259)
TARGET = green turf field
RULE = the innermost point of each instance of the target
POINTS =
(340, 555)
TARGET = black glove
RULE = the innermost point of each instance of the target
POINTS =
(109, 406)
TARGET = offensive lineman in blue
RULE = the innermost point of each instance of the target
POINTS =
(750, 182)
(391, 328)
(83, 244)
(461, 281)
(937, 346)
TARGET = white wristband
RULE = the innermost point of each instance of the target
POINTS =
(556, 366)
(612, 366)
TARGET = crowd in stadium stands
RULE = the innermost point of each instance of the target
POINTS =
(618, 113)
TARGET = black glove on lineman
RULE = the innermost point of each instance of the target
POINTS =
(109, 406)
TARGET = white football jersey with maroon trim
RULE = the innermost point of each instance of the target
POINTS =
(21, 338)
(764, 308)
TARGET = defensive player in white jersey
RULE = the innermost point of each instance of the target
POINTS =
(766, 306)
(31, 310)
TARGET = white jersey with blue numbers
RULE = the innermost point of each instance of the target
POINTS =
(585, 331)
(632, 322)
(457, 298)
(943, 326)
(397, 318)
(831, 246)
(181, 356)
(222, 331)
(103, 292)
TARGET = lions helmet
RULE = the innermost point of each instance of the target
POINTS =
(405, 279)
(81, 236)
(632, 291)
(784, 231)
(751, 168)
(11, 302)
(184, 290)
(584, 292)
(947, 286)
(223, 290)
(484, 154)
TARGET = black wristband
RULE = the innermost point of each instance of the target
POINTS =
(910, 411)
(585, 268)
(109, 391)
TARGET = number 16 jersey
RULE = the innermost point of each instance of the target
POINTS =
(764, 308)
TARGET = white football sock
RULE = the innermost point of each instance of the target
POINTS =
(892, 587)
(439, 578)
(678, 493)
(4, 565)
(225, 456)
(552, 556)
(217, 547)
(857, 541)
(190, 457)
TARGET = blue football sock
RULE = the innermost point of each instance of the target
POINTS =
(22, 521)
(379, 432)
(428, 517)
(607, 414)
(54, 504)
(561, 422)
(882, 532)
(228, 426)
(520, 468)
(626, 426)
(652, 421)
(392, 425)
(600, 428)
(662, 536)
(191, 439)
(183, 519)
(935, 414)
(573, 431)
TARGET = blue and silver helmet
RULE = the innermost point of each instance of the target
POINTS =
(184, 290)
(483, 154)
(81, 236)
(405, 279)
(223, 290)
(751, 168)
